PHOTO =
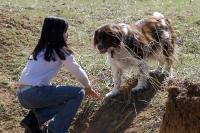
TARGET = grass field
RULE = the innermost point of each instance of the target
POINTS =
(20, 25)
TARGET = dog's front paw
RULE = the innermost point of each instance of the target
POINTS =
(112, 93)
(167, 74)
(156, 71)
(138, 89)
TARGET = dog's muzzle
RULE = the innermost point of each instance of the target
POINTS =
(101, 49)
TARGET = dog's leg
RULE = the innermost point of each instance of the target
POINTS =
(168, 52)
(143, 76)
(117, 74)
(168, 66)
(160, 67)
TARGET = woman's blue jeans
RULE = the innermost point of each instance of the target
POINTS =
(57, 102)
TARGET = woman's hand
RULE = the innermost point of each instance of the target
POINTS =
(91, 93)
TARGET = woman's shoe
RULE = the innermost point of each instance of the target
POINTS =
(30, 123)
(46, 130)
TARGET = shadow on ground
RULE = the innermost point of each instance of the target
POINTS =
(115, 115)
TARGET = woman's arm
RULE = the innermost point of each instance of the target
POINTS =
(76, 70)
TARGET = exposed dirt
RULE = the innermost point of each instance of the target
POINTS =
(10, 112)
(13, 31)
(119, 114)
(20, 22)
(182, 108)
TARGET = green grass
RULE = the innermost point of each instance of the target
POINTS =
(84, 16)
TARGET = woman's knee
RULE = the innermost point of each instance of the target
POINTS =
(81, 94)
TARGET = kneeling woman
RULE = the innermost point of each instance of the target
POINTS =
(58, 104)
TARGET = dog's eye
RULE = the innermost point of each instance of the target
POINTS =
(106, 37)
(116, 40)
(110, 33)
(99, 38)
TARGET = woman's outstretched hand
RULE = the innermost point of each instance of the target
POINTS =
(91, 93)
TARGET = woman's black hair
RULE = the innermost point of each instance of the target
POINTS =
(52, 39)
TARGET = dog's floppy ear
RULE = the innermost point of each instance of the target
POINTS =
(95, 38)
(117, 32)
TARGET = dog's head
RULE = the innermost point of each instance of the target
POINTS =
(107, 36)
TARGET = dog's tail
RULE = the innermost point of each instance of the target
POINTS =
(164, 21)
(158, 15)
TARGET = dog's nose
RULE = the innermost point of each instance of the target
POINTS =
(100, 47)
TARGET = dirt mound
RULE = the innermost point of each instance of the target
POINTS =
(182, 109)
(117, 114)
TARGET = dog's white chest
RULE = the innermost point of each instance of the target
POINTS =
(122, 58)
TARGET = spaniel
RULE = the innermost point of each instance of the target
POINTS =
(131, 45)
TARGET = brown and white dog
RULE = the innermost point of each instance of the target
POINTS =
(132, 45)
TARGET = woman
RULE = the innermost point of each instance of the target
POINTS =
(58, 104)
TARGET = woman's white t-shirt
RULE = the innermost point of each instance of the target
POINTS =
(40, 72)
